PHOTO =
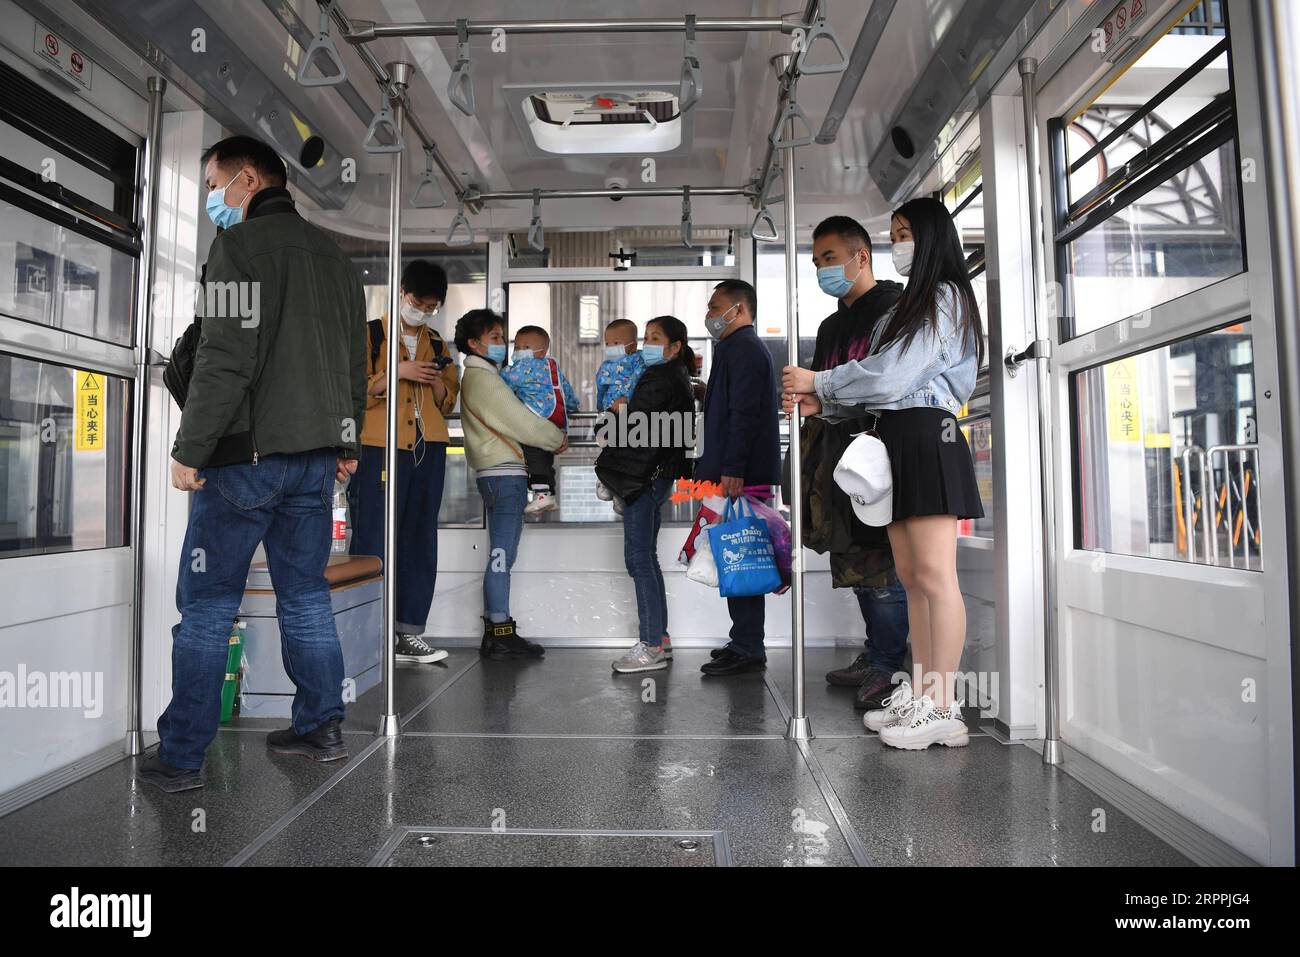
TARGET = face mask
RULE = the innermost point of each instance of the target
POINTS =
(653, 354)
(521, 354)
(717, 325)
(497, 352)
(615, 352)
(413, 316)
(224, 216)
(902, 253)
(834, 282)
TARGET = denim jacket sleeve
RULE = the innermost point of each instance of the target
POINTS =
(896, 370)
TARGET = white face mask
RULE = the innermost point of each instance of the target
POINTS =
(902, 255)
(413, 316)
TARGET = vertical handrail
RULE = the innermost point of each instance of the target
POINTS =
(388, 720)
(1246, 452)
(1043, 334)
(147, 217)
(1189, 505)
(799, 727)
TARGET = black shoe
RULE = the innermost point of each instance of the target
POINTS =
(877, 685)
(717, 653)
(154, 770)
(852, 675)
(322, 744)
(416, 649)
(730, 663)
(502, 642)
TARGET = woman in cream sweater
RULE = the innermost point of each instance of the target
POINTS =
(497, 426)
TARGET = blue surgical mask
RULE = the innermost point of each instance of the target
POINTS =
(834, 282)
(497, 352)
(222, 215)
(653, 354)
(520, 354)
(615, 352)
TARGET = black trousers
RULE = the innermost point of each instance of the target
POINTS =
(541, 468)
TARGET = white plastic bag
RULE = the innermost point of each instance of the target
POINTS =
(702, 568)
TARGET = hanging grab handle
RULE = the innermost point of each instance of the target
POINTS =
(383, 118)
(323, 46)
(460, 88)
(459, 222)
(428, 181)
(821, 29)
(774, 178)
(536, 237)
(686, 218)
(691, 84)
(761, 221)
(791, 112)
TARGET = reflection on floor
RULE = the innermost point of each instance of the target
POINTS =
(562, 762)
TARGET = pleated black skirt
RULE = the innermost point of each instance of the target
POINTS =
(931, 464)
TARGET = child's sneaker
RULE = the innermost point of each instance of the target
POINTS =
(618, 505)
(641, 657)
(923, 723)
(603, 493)
(892, 710)
(542, 502)
(667, 646)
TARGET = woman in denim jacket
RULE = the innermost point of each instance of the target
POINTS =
(918, 375)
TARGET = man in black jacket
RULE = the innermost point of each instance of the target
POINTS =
(860, 555)
(742, 444)
(272, 417)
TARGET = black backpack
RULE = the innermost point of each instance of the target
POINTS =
(375, 335)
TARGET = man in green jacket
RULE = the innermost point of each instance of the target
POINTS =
(272, 417)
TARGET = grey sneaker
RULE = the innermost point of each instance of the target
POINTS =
(414, 648)
(641, 657)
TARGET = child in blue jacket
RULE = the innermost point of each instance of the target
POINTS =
(618, 375)
(536, 380)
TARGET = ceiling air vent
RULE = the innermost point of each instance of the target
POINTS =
(639, 121)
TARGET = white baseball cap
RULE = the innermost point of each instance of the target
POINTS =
(864, 474)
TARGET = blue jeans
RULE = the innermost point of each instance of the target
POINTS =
(504, 498)
(641, 520)
(419, 497)
(285, 502)
(884, 610)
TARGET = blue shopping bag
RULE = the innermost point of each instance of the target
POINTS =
(742, 550)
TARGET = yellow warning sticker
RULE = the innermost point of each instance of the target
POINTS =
(90, 412)
(1122, 410)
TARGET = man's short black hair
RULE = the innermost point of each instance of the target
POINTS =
(247, 151)
(475, 324)
(737, 290)
(425, 280)
(848, 229)
(533, 331)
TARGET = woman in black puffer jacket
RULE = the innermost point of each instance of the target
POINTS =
(645, 457)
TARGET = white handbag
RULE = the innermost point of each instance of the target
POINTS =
(702, 568)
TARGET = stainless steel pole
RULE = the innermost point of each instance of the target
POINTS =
(147, 217)
(799, 728)
(1043, 334)
(388, 723)
(364, 31)
(643, 191)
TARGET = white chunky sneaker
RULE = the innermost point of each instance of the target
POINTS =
(892, 710)
(923, 723)
(641, 657)
(542, 502)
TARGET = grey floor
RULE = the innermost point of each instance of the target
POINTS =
(563, 762)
